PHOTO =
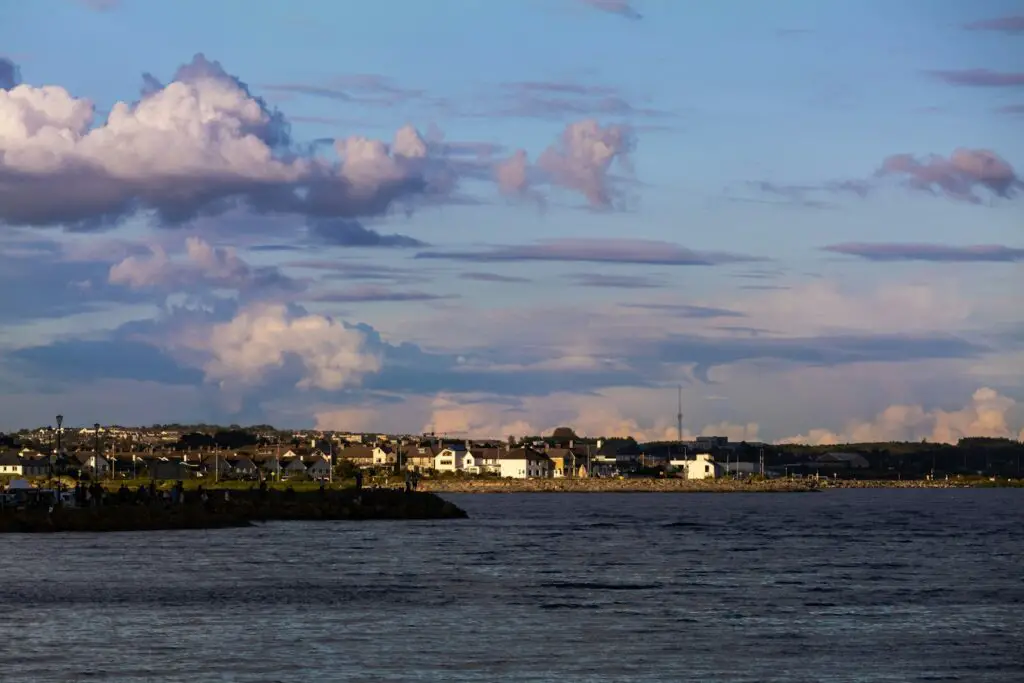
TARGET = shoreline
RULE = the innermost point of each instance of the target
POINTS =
(639, 485)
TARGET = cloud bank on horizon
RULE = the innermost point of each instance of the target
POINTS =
(242, 238)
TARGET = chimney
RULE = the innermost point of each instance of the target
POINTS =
(570, 444)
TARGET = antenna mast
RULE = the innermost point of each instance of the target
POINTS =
(679, 415)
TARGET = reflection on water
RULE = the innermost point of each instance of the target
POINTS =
(859, 585)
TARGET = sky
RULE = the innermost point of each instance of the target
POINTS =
(493, 218)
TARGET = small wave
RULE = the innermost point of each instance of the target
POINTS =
(595, 586)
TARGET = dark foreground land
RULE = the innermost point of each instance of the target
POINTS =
(237, 510)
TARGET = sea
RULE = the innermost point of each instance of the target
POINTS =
(846, 585)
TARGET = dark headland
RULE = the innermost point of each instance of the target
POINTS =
(235, 509)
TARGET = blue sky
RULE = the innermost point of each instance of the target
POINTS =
(588, 203)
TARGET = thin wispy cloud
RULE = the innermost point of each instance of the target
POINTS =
(941, 253)
(647, 252)
(980, 78)
(1010, 24)
(622, 8)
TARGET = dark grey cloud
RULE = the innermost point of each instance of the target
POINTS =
(980, 78)
(9, 74)
(647, 252)
(350, 233)
(707, 352)
(943, 253)
(65, 287)
(338, 269)
(612, 281)
(688, 310)
(622, 8)
(1012, 109)
(85, 360)
(493, 277)
(1010, 24)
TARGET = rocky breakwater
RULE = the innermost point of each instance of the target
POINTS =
(237, 509)
(612, 485)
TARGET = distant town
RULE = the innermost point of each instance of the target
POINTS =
(262, 453)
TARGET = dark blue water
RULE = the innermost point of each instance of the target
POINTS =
(862, 585)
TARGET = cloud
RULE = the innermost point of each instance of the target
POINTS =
(1012, 109)
(984, 416)
(493, 277)
(583, 157)
(373, 294)
(201, 144)
(204, 266)
(9, 74)
(980, 253)
(1012, 24)
(980, 78)
(622, 8)
(557, 100)
(362, 89)
(349, 233)
(610, 281)
(958, 176)
(688, 310)
(644, 252)
(262, 338)
(101, 5)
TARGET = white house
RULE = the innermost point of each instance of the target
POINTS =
(481, 460)
(524, 463)
(319, 467)
(702, 466)
(96, 465)
(11, 463)
(450, 459)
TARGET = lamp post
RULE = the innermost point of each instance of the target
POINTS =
(60, 422)
(96, 449)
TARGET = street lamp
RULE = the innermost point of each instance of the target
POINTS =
(60, 421)
(96, 449)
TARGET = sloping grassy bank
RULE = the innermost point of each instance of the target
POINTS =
(609, 485)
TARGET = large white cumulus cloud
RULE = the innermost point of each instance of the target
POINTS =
(262, 338)
(201, 143)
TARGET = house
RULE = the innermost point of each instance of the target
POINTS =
(524, 463)
(12, 464)
(361, 456)
(242, 467)
(35, 465)
(318, 467)
(163, 468)
(217, 465)
(483, 460)
(701, 466)
(450, 459)
(562, 461)
(272, 466)
(419, 457)
(295, 468)
(94, 464)
(384, 456)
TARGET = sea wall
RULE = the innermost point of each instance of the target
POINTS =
(235, 510)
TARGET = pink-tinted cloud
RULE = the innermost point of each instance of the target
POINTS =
(957, 177)
(942, 253)
(1011, 24)
(582, 159)
(980, 78)
(202, 143)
